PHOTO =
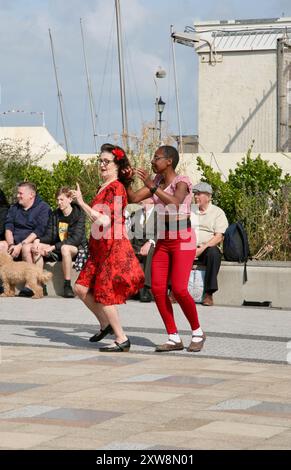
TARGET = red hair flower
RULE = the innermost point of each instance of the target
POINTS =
(118, 153)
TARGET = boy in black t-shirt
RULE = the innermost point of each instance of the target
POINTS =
(65, 234)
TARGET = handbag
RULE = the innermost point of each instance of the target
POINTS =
(196, 284)
(81, 258)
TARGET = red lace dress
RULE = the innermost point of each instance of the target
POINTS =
(112, 270)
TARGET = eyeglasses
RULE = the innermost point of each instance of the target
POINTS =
(155, 159)
(104, 162)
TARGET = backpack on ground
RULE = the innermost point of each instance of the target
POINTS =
(236, 245)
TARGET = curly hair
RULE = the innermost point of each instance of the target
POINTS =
(120, 159)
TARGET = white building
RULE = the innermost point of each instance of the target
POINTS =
(244, 81)
(41, 142)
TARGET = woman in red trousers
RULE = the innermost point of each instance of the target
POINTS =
(176, 247)
(112, 272)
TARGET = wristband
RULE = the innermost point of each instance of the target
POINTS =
(153, 189)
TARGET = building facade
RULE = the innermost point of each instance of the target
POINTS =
(244, 89)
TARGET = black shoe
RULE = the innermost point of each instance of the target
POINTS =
(145, 298)
(145, 295)
(119, 347)
(26, 292)
(107, 331)
(68, 292)
(52, 256)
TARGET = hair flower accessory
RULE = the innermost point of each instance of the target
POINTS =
(118, 153)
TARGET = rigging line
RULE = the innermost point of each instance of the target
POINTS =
(286, 155)
(84, 120)
(57, 121)
(71, 138)
(134, 78)
(169, 92)
(109, 110)
(214, 157)
(129, 87)
(107, 57)
(89, 85)
(60, 97)
(177, 93)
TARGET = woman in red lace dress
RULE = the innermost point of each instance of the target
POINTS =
(112, 272)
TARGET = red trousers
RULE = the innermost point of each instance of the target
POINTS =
(172, 261)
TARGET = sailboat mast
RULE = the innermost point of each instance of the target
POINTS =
(177, 93)
(121, 76)
(91, 101)
(59, 93)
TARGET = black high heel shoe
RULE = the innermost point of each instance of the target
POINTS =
(119, 347)
(107, 331)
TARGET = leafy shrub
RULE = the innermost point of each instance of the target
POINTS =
(258, 194)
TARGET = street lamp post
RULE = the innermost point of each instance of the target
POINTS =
(160, 73)
(160, 106)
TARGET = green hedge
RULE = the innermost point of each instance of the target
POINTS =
(259, 195)
(14, 169)
(255, 192)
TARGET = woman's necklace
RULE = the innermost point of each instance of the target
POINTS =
(105, 184)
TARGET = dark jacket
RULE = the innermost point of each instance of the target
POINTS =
(23, 222)
(3, 215)
(76, 229)
(141, 233)
(4, 206)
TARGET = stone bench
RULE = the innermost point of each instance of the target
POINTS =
(267, 281)
(55, 286)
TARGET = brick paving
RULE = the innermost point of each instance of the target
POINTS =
(58, 392)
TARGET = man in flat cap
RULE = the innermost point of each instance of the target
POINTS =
(210, 225)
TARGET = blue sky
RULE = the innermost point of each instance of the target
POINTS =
(27, 78)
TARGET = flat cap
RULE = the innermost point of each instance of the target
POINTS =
(202, 187)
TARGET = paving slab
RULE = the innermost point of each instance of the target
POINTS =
(58, 392)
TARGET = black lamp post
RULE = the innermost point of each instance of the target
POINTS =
(161, 107)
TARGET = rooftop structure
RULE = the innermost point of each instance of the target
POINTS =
(244, 83)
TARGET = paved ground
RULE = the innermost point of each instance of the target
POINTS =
(58, 392)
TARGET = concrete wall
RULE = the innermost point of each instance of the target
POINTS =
(238, 102)
(266, 281)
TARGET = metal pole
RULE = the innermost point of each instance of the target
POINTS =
(121, 76)
(160, 127)
(91, 101)
(59, 93)
(156, 108)
(177, 93)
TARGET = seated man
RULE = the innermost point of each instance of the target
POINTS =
(210, 224)
(26, 220)
(143, 236)
(64, 235)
